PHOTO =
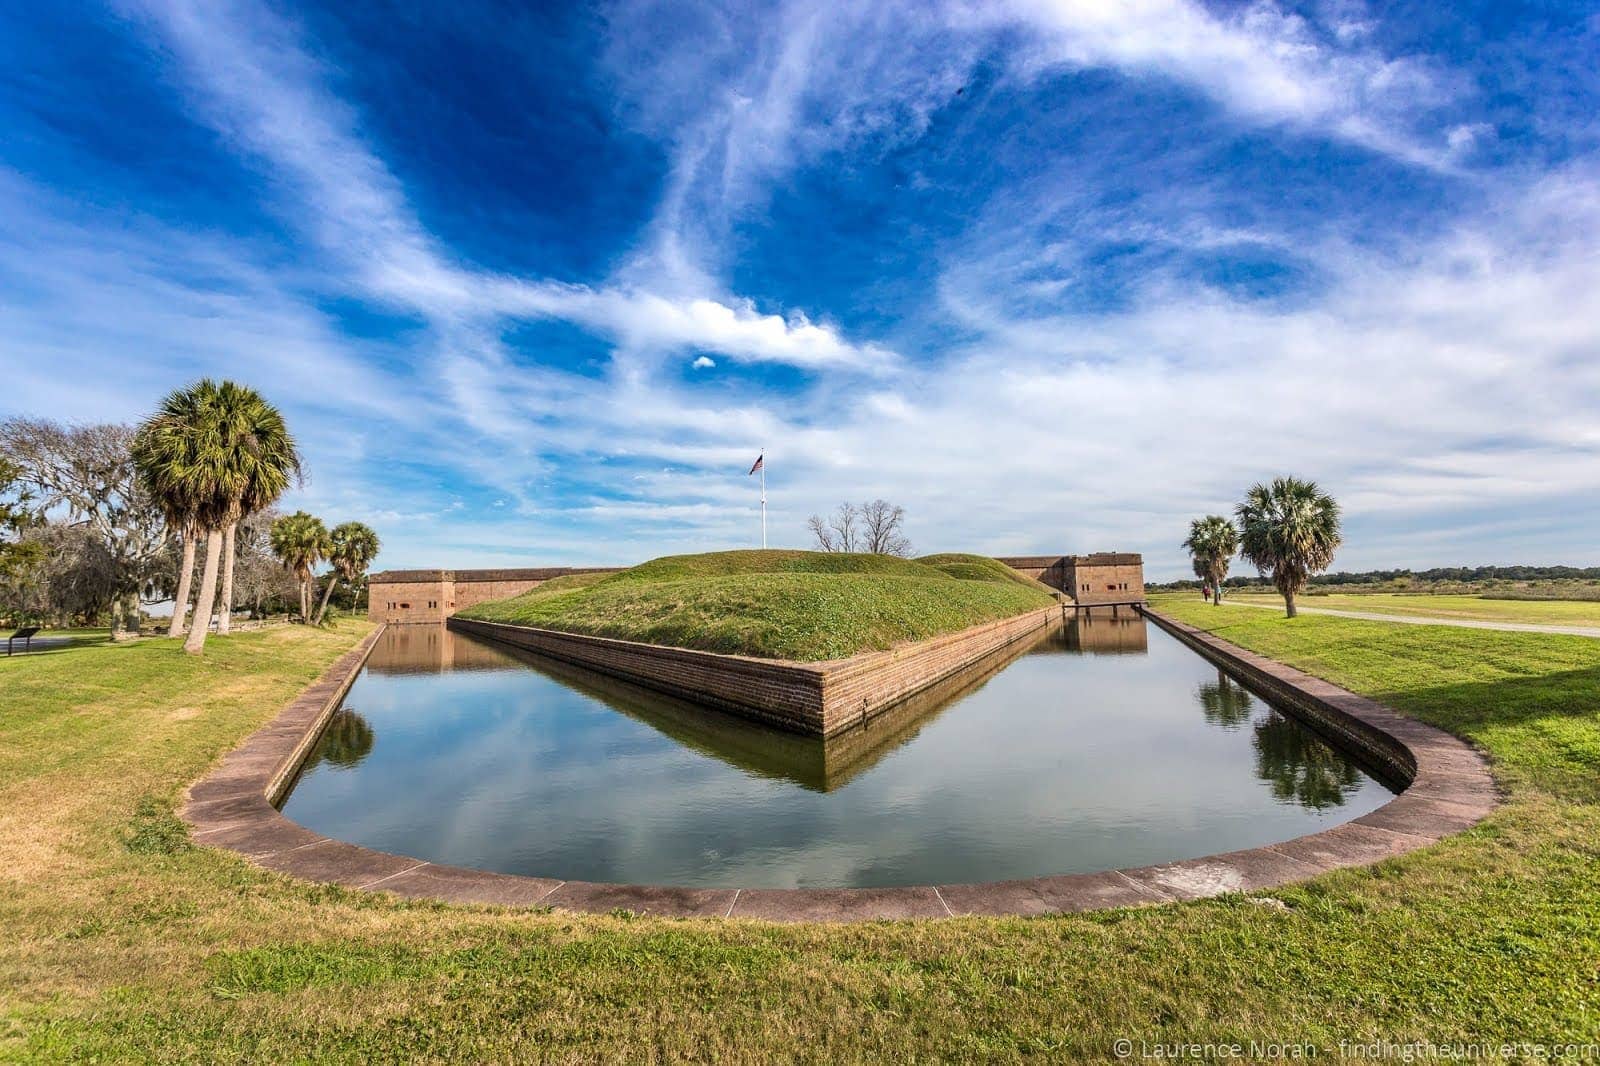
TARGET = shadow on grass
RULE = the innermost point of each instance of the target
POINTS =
(1543, 730)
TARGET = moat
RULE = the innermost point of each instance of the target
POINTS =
(1102, 743)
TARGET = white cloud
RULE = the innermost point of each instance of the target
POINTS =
(704, 363)
(1435, 384)
(255, 84)
(1263, 63)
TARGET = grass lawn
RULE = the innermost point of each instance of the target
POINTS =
(1477, 608)
(796, 605)
(119, 941)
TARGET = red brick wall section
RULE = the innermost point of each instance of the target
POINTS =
(405, 597)
(815, 698)
(1105, 573)
(1108, 582)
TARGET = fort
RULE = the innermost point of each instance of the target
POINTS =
(402, 597)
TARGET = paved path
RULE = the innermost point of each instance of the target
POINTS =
(39, 644)
(1429, 620)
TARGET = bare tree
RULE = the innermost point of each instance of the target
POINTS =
(84, 475)
(839, 532)
(881, 522)
(871, 527)
(822, 533)
(262, 581)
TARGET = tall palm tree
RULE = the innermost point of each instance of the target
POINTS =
(212, 449)
(1212, 542)
(300, 541)
(351, 549)
(152, 456)
(1290, 529)
(268, 463)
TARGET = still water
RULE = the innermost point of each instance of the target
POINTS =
(1103, 743)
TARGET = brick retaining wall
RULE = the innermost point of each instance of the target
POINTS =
(817, 698)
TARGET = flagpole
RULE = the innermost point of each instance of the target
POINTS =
(763, 499)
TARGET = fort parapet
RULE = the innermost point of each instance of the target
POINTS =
(1099, 580)
(422, 596)
(433, 596)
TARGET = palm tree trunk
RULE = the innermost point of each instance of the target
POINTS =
(180, 602)
(305, 601)
(208, 595)
(327, 594)
(224, 619)
(1288, 602)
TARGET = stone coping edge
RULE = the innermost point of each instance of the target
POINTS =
(1450, 790)
(814, 698)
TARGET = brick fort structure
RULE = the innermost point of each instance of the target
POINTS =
(1103, 579)
(432, 596)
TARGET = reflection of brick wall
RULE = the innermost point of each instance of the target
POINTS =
(816, 698)
(424, 596)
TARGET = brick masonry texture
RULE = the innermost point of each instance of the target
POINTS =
(406, 597)
(817, 698)
(1449, 789)
(1091, 580)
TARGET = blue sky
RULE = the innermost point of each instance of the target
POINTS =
(535, 285)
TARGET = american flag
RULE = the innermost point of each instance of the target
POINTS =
(759, 460)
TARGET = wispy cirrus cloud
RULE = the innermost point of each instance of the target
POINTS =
(1435, 374)
(1261, 62)
(254, 83)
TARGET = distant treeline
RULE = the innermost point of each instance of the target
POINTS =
(1437, 574)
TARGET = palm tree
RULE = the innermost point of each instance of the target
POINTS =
(268, 462)
(300, 541)
(211, 450)
(352, 547)
(1289, 529)
(1212, 542)
(179, 455)
(178, 506)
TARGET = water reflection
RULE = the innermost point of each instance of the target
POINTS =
(1099, 742)
(815, 763)
(347, 740)
(434, 649)
(1298, 765)
(1225, 702)
(1107, 631)
(1301, 766)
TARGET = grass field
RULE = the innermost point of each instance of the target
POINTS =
(1477, 608)
(803, 606)
(119, 941)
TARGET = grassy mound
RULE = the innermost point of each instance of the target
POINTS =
(802, 606)
(982, 568)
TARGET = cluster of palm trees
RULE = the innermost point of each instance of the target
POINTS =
(213, 454)
(1287, 528)
(301, 541)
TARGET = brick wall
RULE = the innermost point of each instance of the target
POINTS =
(815, 698)
(430, 596)
(1105, 578)
(1102, 578)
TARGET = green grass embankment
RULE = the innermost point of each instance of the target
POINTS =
(796, 605)
(120, 941)
(1478, 608)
